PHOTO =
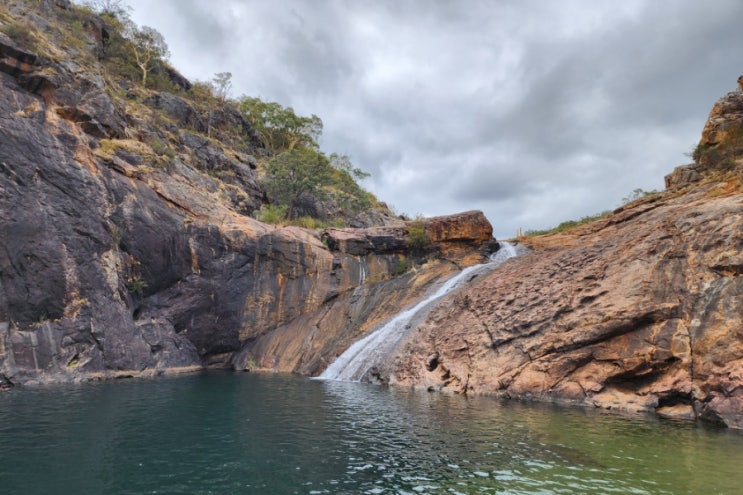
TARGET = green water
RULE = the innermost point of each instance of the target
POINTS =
(226, 433)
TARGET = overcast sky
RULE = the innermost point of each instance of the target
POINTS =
(533, 111)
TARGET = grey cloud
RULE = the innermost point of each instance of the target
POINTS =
(533, 111)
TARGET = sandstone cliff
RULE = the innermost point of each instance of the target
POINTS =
(640, 311)
(126, 241)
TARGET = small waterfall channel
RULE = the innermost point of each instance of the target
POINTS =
(367, 353)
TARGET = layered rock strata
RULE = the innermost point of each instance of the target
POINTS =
(643, 312)
(126, 241)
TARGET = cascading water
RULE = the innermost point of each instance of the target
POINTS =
(367, 353)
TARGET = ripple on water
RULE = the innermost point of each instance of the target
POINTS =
(242, 433)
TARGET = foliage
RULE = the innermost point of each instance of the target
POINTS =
(111, 9)
(148, 46)
(281, 128)
(222, 83)
(136, 285)
(568, 225)
(308, 223)
(349, 195)
(165, 154)
(272, 214)
(294, 173)
(637, 194)
(403, 265)
(417, 238)
(343, 163)
(298, 167)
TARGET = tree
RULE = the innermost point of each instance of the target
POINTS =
(282, 129)
(114, 9)
(293, 174)
(222, 83)
(348, 193)
(298, 167)
(149, 48)
(220, 87)
(343, 164)
(637, 194)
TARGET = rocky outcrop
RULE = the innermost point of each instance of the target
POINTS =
(640, 312)
(126, 241)
(451, 234)
(721, 146)
(725, 118)
(684, 175)
(13, 60)
(114, 266)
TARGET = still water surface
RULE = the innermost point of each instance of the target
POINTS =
(226, 433)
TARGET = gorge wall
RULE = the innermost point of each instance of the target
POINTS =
(641, 311)
(127, 245)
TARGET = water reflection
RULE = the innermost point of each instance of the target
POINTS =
(242, 433)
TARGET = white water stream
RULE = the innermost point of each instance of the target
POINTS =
(369, 352)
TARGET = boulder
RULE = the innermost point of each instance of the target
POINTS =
(683, 176)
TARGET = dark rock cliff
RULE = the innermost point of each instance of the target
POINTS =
(126, 241)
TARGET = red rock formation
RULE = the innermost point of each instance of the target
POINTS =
(641, 312)
(450, 234)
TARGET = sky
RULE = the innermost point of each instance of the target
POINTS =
(534, 112)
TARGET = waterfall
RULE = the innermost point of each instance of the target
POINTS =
(370, 351)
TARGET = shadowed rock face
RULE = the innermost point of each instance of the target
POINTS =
(116, 261)
(109, 270)
(642, 312)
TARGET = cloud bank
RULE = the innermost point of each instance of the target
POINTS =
(534, 112)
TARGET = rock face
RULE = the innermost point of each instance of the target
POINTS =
(112, 267)
(127, 248)
(456, 234)
(126, 242)
(643, 312)
(309, 343)
(725, 117)
(721, 146)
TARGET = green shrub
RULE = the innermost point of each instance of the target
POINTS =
(417, 238)
(637, 194)
(136, 285)
(272, 214)
(308, 223)
(568, 225)
(161, 148)
(403, 265)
